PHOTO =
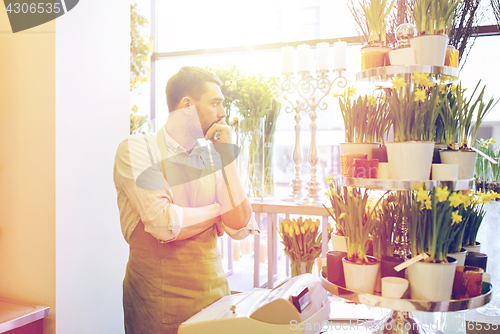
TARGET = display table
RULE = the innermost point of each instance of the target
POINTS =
(21, 318)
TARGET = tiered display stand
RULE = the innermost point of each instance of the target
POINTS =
(401, 319)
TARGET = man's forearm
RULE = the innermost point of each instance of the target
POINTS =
(197, 220)
(235, 207)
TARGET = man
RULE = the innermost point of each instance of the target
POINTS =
(175, 197)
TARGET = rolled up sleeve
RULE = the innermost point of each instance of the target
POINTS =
(139, 179)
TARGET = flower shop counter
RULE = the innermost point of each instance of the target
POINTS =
(16, 317)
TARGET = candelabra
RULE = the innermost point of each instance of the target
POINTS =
(311, 91)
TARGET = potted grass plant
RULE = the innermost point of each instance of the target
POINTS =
(431, 230)
(360, 269)
(487, 173)
(462, 117)
(433, 19)
(338, 216)
(375, 52)
(414, 108)
(365, 121)
(475, 213)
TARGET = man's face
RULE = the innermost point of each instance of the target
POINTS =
(209, 106)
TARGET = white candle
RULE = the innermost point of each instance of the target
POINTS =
(287, 59)
(322, 56)
(304, 57)
(340, 56)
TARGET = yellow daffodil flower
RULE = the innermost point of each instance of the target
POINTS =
(442, 194)
(420, 95)
(398, 83)
(456, 199)
(350, 91)
(455, 217)
(421, 79)
(428, 204)
(422, 195)
(329, 178)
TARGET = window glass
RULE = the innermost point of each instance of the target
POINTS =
(199, 24)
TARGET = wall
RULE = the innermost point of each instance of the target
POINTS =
(27, 165)
(92, 107)
(64, 101)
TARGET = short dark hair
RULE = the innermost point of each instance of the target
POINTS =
(189, 81)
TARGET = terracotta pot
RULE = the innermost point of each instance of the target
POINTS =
(468, 282)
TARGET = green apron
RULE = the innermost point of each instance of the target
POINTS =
(167, 283)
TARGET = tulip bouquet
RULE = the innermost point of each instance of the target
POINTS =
(302, 240)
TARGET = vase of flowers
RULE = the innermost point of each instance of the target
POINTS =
(302, 241)
(414, 108)
(338, 216)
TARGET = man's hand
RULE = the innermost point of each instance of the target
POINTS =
(220, 230)
(224, 131)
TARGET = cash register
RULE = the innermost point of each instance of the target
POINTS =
(299, 305)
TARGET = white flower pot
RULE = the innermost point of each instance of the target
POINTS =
(473, 249)
(410, 160)
(402, 57)
(459, 256)
(444, 172)
(358, 148)
(432, 281)
(339, 243)
(430, 49)
(361, 277)
(466, 161)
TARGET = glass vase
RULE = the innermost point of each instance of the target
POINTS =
(251, 157)
(301, 267)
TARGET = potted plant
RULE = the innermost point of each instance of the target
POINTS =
(302, 240)
(360, 269)
(458, 113)
(487, 173)
(375, 53)
(413, 112)
(338, 216)
(475, 213)
(433, 19)
(365, 122)
(432, 217)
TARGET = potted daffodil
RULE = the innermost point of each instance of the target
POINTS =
(414, 108)
(433, 19)
(462, 117)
